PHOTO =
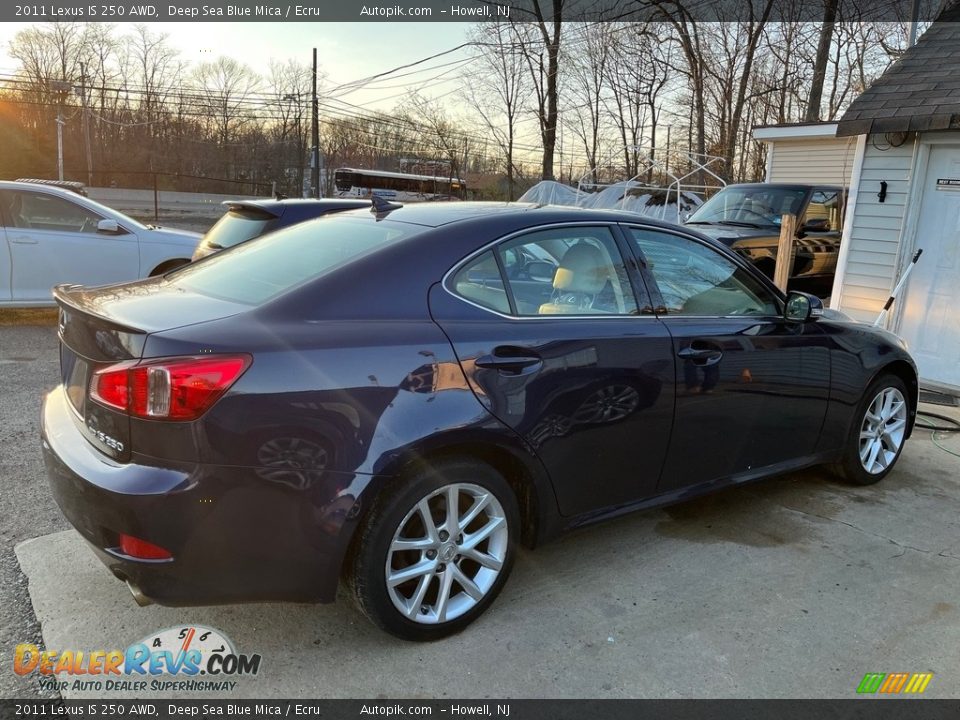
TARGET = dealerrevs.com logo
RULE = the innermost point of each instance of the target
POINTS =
(185, 658)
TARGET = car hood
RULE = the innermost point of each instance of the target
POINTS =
(729, 234)
(186, 238)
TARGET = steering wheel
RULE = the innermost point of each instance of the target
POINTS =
(88, 225)
(768, 218)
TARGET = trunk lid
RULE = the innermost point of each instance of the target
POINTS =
(100, 327)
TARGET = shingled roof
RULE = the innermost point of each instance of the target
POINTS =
(919, 92)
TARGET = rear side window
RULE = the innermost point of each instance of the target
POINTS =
(480, 282)
(568, 271)
(254, 273)
(236, 227)
(562, 271)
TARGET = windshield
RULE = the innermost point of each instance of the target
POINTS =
(107, 212)
(751, 206)
(257, 271)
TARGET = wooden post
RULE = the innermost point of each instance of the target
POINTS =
(788, 233)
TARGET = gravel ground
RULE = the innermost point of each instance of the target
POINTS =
(28, 367)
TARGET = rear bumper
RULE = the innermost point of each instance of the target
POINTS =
(235, 535)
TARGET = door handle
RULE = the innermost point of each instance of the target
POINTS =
(510, 360)
(23, 241)
(701, 356)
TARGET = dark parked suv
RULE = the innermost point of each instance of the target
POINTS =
(747, 217)
(247, 219)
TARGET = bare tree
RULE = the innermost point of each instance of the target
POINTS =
(493, 89)
(539, 42)
(449, 144)
(290, 85)
(638, 74)
(587, 59)
(820, 65)
(226, 87)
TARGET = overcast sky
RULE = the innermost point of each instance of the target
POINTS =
(347, 51)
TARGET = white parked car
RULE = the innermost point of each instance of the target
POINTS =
(53, 236)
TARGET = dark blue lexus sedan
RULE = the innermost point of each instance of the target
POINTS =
(400, 396)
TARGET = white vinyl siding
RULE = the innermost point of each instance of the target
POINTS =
(876, 228)
(815, 161)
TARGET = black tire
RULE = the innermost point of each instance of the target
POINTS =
(366, 572)
(850, 468)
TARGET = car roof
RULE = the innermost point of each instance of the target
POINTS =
(74, 185)
(437, 214)
(37, 186)
(786, 186)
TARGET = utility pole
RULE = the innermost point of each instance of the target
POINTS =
(86, 123)
(667, 169)
(63, 88)
(60, 145)
(315, 136)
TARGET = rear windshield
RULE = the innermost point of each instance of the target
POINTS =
(255, 272)
(236, 227)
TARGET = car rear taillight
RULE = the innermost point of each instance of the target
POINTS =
(141, 549)
(167, 389)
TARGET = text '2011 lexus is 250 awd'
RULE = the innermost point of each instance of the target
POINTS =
(397, 398)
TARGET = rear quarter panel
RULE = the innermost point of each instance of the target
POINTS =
(371, 397)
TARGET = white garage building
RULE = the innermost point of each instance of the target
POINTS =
(898, 150)
(904, 196)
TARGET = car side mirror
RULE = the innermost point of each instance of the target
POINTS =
(802, 307)
(816, 225)
(541, 271)
(108, 226)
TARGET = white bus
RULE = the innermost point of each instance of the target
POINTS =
(404, 187)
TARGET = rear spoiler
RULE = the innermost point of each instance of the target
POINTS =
(80, 326)
(250, 206)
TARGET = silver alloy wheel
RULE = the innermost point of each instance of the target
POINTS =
(882, 431)
(447, 553)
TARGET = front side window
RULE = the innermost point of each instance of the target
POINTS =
(824, 211)
(697, 280)
(41, 211)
